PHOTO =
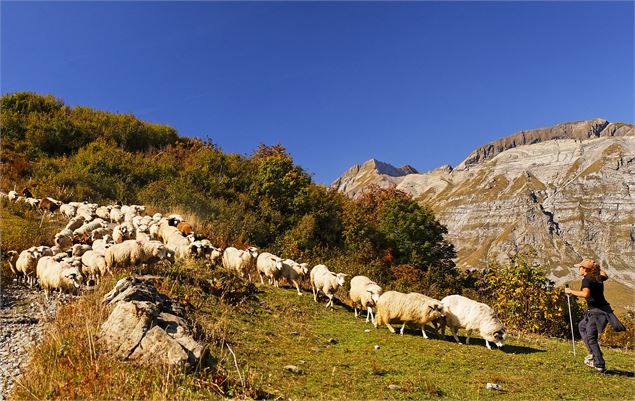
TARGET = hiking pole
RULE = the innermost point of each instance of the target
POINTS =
(570, 319)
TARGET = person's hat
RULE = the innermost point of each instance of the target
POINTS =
(586, 264)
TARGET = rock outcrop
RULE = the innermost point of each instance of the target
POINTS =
(566, 192)
(146, 327)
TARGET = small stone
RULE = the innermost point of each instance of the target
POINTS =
(316, 350)
(376, 347)
(294, 369)
(394, 387)
(295, 333)
(493, 386)
(332, 341)
(301, 362)
(367, 331)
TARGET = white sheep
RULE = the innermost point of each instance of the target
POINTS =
(180, 246)
(87, 210)
(322, 279)
(75, 223)
(293, 272)
(43, 250)
(33, 202)
(94, 265)
(206, 249)
(68, 210)
(80, 249)
(121, 233)
(463, 312)
(153, 251)
(88, 228)
(100, 233)
(116, 215)
(128, 253)
(12, 258)
(103, 212)
(64, 239)
(364, 294)
(58, 275)
(269, 265)
(133, 253)
(240, 261)
(100, 245)
(394, 306)
(13, 196)
(166, 231)
(26, 265)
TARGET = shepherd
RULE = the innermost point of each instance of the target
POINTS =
(598, 313)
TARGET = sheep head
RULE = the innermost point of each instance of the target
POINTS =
(304, 268)
(434, 310)
(278, 263)
(72, 275)
(253, 251)
(375, 294)
(341, 278)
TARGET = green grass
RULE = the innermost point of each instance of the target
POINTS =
(283, 329)
(276, 327)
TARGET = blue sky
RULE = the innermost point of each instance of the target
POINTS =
(336, 83)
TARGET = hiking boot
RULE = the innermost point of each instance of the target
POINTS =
(589, 362)
(588, 358)
(601, 370)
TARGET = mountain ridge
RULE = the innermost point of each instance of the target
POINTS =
(567, 192)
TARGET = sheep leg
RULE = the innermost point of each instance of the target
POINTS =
(392, 329)
(403, 326)
(369, 313)
(454, 331)
(355, 312)
(467, 336)
(297, 287)
(314, 292)
(424, 333)
(330, 302)
(487, 344)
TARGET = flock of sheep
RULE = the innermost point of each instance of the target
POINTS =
(100, 238)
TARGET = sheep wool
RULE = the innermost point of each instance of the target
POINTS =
(394, 306)
(364, 294)
(325, 281)
(463, 312)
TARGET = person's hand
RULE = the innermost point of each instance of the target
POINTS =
(567, 291)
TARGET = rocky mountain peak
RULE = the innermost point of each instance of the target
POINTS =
(372, 171)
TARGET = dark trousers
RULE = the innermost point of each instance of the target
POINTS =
(590, 328)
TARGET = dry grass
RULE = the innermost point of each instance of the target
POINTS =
(69, 363)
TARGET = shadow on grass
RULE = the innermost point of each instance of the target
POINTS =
(477, 342)
(615, 372)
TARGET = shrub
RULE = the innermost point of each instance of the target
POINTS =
(526, 300)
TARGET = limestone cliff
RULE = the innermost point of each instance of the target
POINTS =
(568, 192)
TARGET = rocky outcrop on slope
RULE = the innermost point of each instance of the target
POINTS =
(146, 327)
(565, 198)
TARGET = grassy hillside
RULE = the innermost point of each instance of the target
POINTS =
(283, 328)
(276, 327)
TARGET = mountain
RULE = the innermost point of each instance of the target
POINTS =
(567, 191)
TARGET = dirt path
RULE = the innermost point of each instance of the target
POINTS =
(24, 314)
